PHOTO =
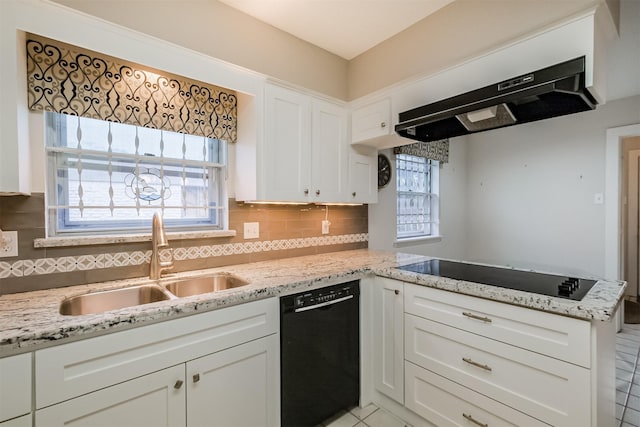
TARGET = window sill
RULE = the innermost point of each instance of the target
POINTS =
(56, 242)
(416, 240)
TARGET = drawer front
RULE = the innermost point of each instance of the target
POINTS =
(15, 386)
(70, 370)
(445, 403)
(553, 391)
(557, 336)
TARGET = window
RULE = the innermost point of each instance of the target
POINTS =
(417, 192)
(106, 177)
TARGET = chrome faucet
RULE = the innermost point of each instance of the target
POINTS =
(158, 240)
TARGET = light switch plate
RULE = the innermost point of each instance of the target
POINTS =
(325, 227)
(9, 244)
(251, 230)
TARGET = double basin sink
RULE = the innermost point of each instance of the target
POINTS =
(99, 302)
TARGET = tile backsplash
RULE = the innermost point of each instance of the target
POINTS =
(285, 231)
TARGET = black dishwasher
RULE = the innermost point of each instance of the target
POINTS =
(319, 353)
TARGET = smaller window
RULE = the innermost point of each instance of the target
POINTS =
(106, 177)
(417, 193)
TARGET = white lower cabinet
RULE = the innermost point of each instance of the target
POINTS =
(15, 387)
(388, 336)
(235, 387)
(551, 390)
(469, 361)
(205, 369)
(153, 400)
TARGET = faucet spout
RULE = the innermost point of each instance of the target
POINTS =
(158, 240)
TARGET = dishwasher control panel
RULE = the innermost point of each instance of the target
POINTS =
(325, 296)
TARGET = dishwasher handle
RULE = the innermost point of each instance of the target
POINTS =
(322, 304)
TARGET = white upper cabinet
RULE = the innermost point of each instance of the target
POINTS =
(329, 152)
(287, 153)
(371, 121)
(303, 155)
(363, 183)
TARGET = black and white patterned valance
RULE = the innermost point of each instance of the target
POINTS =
(435, 150)
(70, 80)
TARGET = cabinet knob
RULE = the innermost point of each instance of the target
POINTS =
(317, 192)
(178, 384)
(383, 125)
(196, 378)
(306, 191)
(353, 194)
(397, 292)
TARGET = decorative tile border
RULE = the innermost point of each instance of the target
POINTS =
(34, 267)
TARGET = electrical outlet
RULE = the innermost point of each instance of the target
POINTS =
(251, 230)
(325, 227)
(9, 244)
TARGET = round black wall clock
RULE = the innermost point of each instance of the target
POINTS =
(384, 170)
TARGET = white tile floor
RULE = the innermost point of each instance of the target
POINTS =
(628, 376)
(370, 416)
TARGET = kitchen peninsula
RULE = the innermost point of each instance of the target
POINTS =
(570, 336)
(31, 319)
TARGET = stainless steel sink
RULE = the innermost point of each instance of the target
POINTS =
(203, 285)
(98, 302)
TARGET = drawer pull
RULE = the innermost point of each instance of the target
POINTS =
(196, 378)
(397, 292)
(475, 316)
(479, 365)
(473, 420)
(178, 384)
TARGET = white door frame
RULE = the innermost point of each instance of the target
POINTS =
(612, 218)
(629, 261)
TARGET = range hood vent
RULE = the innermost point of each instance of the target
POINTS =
(550, 92)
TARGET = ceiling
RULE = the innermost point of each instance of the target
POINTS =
(346, 28)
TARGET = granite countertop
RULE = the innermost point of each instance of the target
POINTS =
(31, 320)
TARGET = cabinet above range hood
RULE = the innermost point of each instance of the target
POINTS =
(549, 92)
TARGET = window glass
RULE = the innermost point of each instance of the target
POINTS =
(106, 177)
(417, 196)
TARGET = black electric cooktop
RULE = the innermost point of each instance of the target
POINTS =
(539, 283)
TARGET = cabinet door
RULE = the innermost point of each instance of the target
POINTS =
(152, 400)
(15, 386)
(329, 152)
(388, 333)
(237, 387)
(363, 186)
(287, 150)
(371, 121)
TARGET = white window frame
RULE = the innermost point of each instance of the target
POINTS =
(59, 226)
(431, 200)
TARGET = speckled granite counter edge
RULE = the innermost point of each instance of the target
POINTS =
(600, 303)
(31, 320)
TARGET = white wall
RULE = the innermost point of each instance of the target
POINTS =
(219, 31)
(531, 191)
(453, 206)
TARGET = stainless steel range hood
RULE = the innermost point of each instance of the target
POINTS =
(550, 92)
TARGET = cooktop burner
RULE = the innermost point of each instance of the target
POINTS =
(539, 283)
